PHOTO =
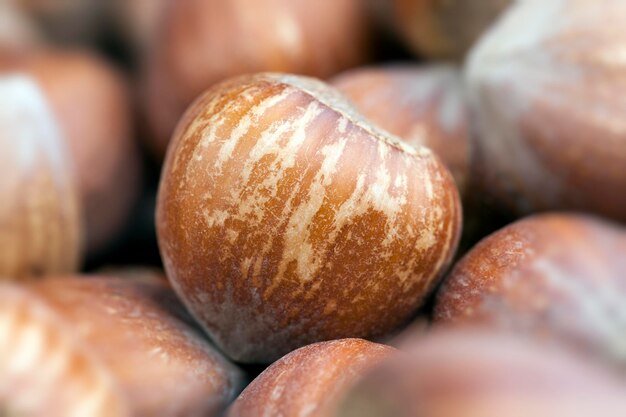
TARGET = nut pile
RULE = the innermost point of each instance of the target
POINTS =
(334, 208)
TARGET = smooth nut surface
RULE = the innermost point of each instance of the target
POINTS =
(40, 218)
(422, 105)
(553, 276)
(309, 381)
(285, 219)
(546, 87)
(202, 42)
(480, 374)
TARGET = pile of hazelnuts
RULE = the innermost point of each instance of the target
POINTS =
(322, 208)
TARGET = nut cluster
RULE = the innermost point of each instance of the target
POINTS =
(332, 208)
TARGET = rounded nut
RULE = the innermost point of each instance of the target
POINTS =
(91, 102)
(552, 276)
(203, 42)
(309, 381)
(141, 348)
(40, 227)
(445, 29)
(471, 374)
(284, 218)
(424, 106)
(545, 87)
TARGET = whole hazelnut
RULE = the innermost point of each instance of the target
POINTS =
(40, 228)
(475, 374)
(284, 218)
(552, 275)
(202, 42)
(424, 106)
(309, 381)
(545, 87)
(92, 104)
(90, 346)
(445, 29)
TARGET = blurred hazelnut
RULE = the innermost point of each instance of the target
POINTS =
(16, 30)
(105, 346)
(137, 21)
(424, 106)
(202, 42)
(448, 28)
(284, 218)
(309, 381)
(40, 226)
(552, 275)
(92, 104)
(474, 374)
(545, 87)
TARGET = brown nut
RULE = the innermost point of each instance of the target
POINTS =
(40, 228)
(123, 346)
(284, 218)
(424, 106)
(474, 374)
(203, 42)
(554, 275)
(92, 104)
(545, 88)
(445, 29)
(309, 381)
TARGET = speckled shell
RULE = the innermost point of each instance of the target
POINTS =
(552, 275)
(40, 227)
(546, 88)
(92, 105)
(309, 381)
(475, 374)
(424, 106)
(44, 369)
(445, 29)
(284, 219)
(203, 42)
(135, 332)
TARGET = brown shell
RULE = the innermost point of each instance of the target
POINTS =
(547, 88)
(309, 381)
(424, 106)
(284, 219)
(203, 42)
(445, 29)
(475, 374)
(40, 227)
(92, 103)
(552, 275)
(140, 335)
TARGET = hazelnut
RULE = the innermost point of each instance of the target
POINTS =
(92, 104)
(284, 218)
(107, 346)
(424, 106)
(202, 42)
(552, 275)
(475, 374)
(310, 380)
(40, 227)
(545, 87)
(445, 29)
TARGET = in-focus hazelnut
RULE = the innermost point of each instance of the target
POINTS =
(545, 88)
(445, 29)
(92, 105)
(202, 42)
(107, 346)
(424, 106)
(284, 218)
(40, 227)
(309, 381)
(553, 276)
(475, 374)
